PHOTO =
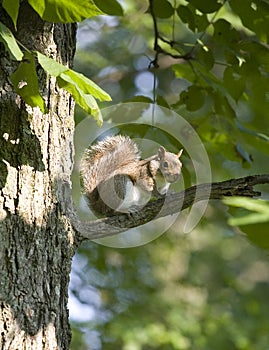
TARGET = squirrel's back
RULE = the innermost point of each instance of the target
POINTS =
(105, 158)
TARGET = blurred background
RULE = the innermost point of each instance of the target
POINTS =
(207, 289)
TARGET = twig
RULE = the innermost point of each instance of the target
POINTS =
(157, 48)
(157, 37)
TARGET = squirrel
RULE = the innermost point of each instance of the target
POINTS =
(115, 179)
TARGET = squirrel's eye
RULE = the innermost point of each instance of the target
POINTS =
(165, 164)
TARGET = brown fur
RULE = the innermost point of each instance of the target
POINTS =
(108, 166)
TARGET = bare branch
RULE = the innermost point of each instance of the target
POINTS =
(157, 37)
(174, 203)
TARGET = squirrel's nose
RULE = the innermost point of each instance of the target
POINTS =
(172, 177)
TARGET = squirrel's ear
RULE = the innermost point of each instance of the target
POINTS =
(179, 153)
(161, 152)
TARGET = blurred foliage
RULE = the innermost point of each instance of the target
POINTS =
(252, 216)
(208, 289)
(205, 290)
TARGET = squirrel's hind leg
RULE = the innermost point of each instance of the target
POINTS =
(135, 197)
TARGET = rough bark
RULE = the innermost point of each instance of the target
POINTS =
(36, 241)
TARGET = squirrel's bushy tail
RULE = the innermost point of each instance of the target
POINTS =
(104, 158)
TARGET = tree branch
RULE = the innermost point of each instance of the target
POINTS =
(174, 203)
(157, 48)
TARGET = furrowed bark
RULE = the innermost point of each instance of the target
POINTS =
(36, 240)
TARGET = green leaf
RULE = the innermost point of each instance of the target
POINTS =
(256, 51)
(207, 76)
(65, 11)
(82, 89)
(86, 85)
(86, 101)
(257, 233)
(215, 89)
(161, 101)
(221, 104)
(254, 15)
(110, 7)
(163, 8)
(184, 71)
(196, 22)
(201, 22)
(58, 70)
(25, 82)
(206, 6)
(234, 83)
(50, 66)
(256, 211)
(12, 8)
(186, 15)
(224, 32)
(193, 98)
(205, 57)
(252, 217)
(7, 38)
(140, 98)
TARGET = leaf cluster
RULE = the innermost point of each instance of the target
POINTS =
(25, 79)
(209, 62)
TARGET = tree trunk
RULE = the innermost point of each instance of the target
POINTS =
(36, 240)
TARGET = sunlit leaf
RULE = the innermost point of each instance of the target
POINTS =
(81, 88)
(86, 101)
(86, 85)
(7, 38)
(184, 71)
(12, 8)
(65, 11)
(246, 211)
(58, 70)
(253, 220)
(25, 82)
(50, 66)
(257, 205)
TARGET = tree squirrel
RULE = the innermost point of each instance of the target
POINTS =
(115, 179)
